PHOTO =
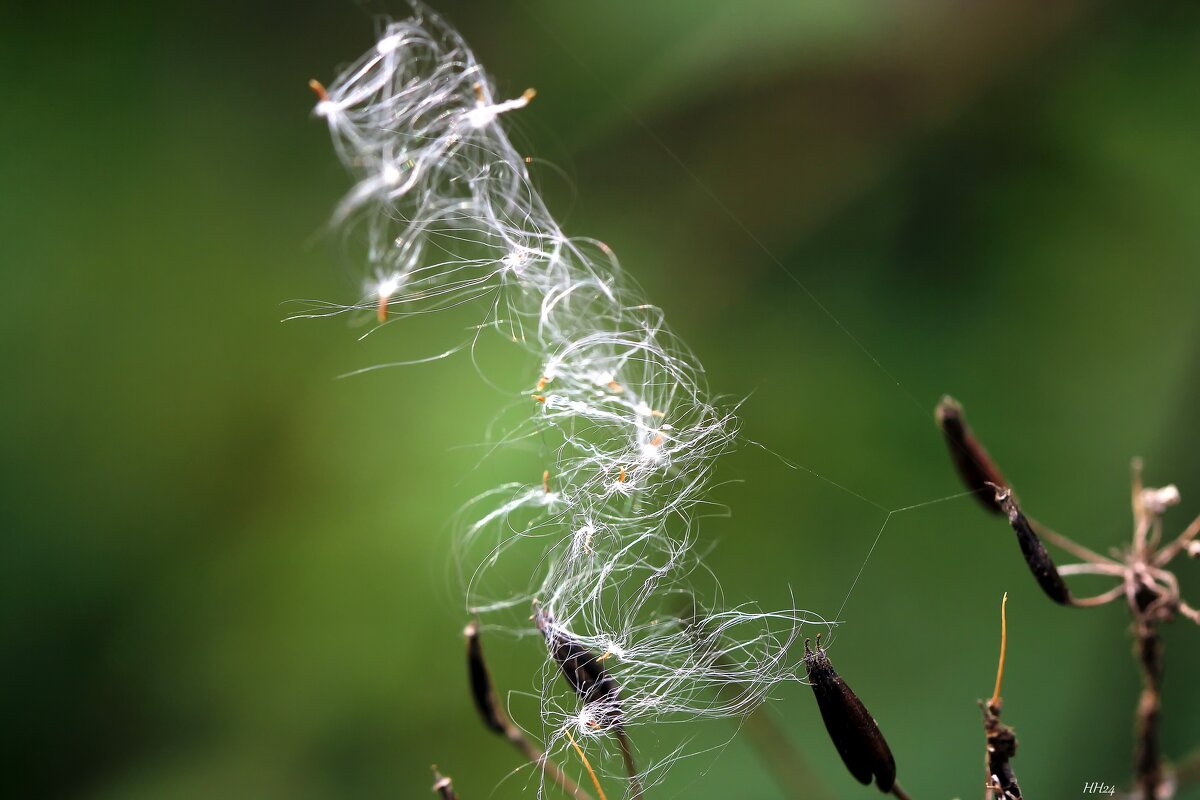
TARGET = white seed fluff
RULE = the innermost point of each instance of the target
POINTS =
(450, 215)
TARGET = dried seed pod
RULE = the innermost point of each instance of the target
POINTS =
(481, 682)
(495, 718)
(853, 730)
(583, 670)
(593, 686)
(442, 786)
(972, 462)
(1039, 561)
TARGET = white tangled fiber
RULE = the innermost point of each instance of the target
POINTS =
(450, 215)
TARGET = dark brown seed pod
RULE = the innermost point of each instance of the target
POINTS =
(580, 666)
(972, 462)
(481, 681)
(1039, 561)
(583, 670)
(593, 685)
(495, 718)
(442, 786)
(853, 730)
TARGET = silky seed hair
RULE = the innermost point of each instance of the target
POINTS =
(448, 213)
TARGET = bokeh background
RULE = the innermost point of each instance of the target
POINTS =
(226, 573)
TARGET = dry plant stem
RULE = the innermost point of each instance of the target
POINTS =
(1174, 548)
(1153, 596)
(495, 718)
(900, 793)
(1068, 545)
(1100, 599)
(1147, 760)
(635, 782)
(538, 758)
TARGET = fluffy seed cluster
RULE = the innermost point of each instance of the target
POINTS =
(450, 215)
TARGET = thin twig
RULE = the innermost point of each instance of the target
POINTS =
(1069, 545)
(1107, 570)
(1099, 599)
(1170, 551)
(635, 782)
(1141, 523)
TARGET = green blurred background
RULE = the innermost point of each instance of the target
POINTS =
(226, 574)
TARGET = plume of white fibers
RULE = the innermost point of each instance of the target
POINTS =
(450, 215)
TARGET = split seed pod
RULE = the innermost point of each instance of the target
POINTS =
(583, 670)
(853, 730)
(594, 687)
(1039, 561)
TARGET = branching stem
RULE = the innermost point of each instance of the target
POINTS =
(635, 782)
